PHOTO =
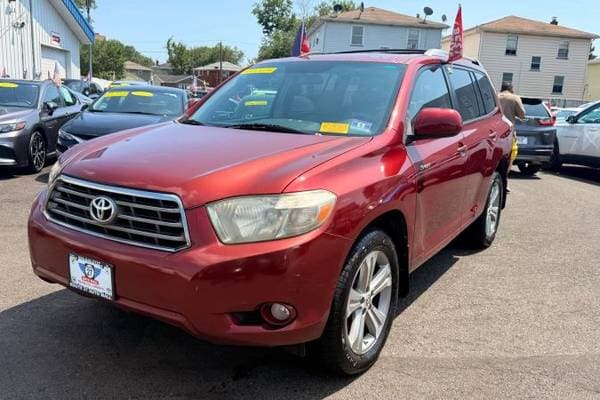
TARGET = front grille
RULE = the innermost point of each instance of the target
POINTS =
(147, 219)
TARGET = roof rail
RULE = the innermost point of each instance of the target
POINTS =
(392, 51)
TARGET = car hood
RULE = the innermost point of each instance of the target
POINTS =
(10, 114)
(94, 124)
(202, 164)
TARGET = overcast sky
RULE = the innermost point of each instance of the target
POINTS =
(147, 24)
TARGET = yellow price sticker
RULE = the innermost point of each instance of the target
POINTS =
(9, 85)
(117, 94)
(251, 103)
(263, 70)
(142, 94)
(334, 127)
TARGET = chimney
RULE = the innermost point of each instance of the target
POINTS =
(554, 21)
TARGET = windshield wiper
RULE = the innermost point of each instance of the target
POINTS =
(191, 122)
(265, 127)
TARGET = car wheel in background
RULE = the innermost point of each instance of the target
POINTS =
(37, 152)
(482, 232)
(555, 162)
(529, 169)
(363, 307)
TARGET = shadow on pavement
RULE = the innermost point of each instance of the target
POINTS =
(66, 346)
(580, 174)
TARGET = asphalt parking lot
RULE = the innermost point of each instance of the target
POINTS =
(520, 320)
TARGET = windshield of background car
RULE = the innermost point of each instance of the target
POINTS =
(140, 101)
(327, 97)
(18, 94)
(77, 86)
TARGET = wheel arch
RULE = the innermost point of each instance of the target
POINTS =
(502, 169)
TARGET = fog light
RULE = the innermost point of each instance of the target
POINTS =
(277, 314)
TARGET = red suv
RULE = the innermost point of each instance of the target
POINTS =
(289, 207)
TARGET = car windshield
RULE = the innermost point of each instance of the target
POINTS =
(325, 97)
(18, 94)
(77, 86)
(140, 101)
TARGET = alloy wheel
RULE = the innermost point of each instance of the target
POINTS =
(37, 151)
(368, 303)
(493, 210)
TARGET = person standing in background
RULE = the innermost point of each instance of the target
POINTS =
(512, 108)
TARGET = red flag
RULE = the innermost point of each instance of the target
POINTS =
(301, 45)
(456, 43)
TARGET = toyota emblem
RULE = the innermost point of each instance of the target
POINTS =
(103, 209)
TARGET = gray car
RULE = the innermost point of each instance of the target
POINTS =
(31, 113)
(536, 135)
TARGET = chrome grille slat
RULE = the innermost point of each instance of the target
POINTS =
(146, 219)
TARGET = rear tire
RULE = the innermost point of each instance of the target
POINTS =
(363, 307)
(37, 153)
(529, 169)
(555, 162)
(482, 232)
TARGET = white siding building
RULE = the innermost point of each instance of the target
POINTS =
(541, 60)
(372, 29)
(36, 35)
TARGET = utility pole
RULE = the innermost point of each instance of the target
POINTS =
(220, 62)
(88, 4)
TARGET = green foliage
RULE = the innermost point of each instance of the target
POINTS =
(326, 7)
(274, 15)
(109, 58)
(184, 59)
(278, 45)
(592, 56)
(82, 4)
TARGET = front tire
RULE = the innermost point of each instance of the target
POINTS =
(37, 153)
(483, 231)
(363, 307)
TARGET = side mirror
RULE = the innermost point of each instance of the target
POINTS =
(571, 119)
(85, 107)
(437, 122)
(50, 107)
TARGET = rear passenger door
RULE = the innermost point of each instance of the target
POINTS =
(479, 134)
(440, 163)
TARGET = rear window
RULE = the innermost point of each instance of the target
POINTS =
(535, 108)
(466, 93)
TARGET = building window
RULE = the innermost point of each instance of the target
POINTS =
(559, 82)
(511, 45)
(563, 50)
(357, 35)
(536, 63)
(413, 39)
(507, 77)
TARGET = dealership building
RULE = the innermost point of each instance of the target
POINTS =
(37, 35)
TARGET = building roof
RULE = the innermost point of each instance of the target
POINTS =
(378, 16)
(227, 66)
(75, 20)
(131, 66)
(166, 65)
(524, 26)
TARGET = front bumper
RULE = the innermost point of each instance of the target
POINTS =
(13, 148)
(200, 289)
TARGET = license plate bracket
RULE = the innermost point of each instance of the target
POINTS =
(91, 276)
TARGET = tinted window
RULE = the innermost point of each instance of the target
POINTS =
(13, 94)
(75, 85)
(487, 92)
(69, 98)
(535, 108)
(335, 97)
(430, 90)
(140, 101)
(52, 94)
(466, 93)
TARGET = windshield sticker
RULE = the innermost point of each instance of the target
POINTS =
(142, 94)
(264, 70)
(334, 127)
(117, 94)
(9, 85)
(252, 103)
(359, 125)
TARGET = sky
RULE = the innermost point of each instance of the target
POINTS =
(147, 24)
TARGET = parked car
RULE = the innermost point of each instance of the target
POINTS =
(535, 136)
(300, 226)
(578, 139)
(88, 89)
(127, 83)
(123, 108)
(31, 113)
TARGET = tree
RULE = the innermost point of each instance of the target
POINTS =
(184, 59)
(326, 7)
(592, 56)
(83, 4)
(278, 45)
(274, 15)
(109, 58)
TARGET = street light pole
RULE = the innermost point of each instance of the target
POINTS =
(89, 18)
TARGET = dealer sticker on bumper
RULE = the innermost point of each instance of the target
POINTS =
(91, 276)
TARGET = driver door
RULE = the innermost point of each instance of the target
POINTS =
(52, 120)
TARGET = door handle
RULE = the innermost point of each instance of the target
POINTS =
(493, 135)
(462, 149)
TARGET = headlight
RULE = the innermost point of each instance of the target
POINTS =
(261, 218)
(17, 126)
(54, 172)
(67, 136)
